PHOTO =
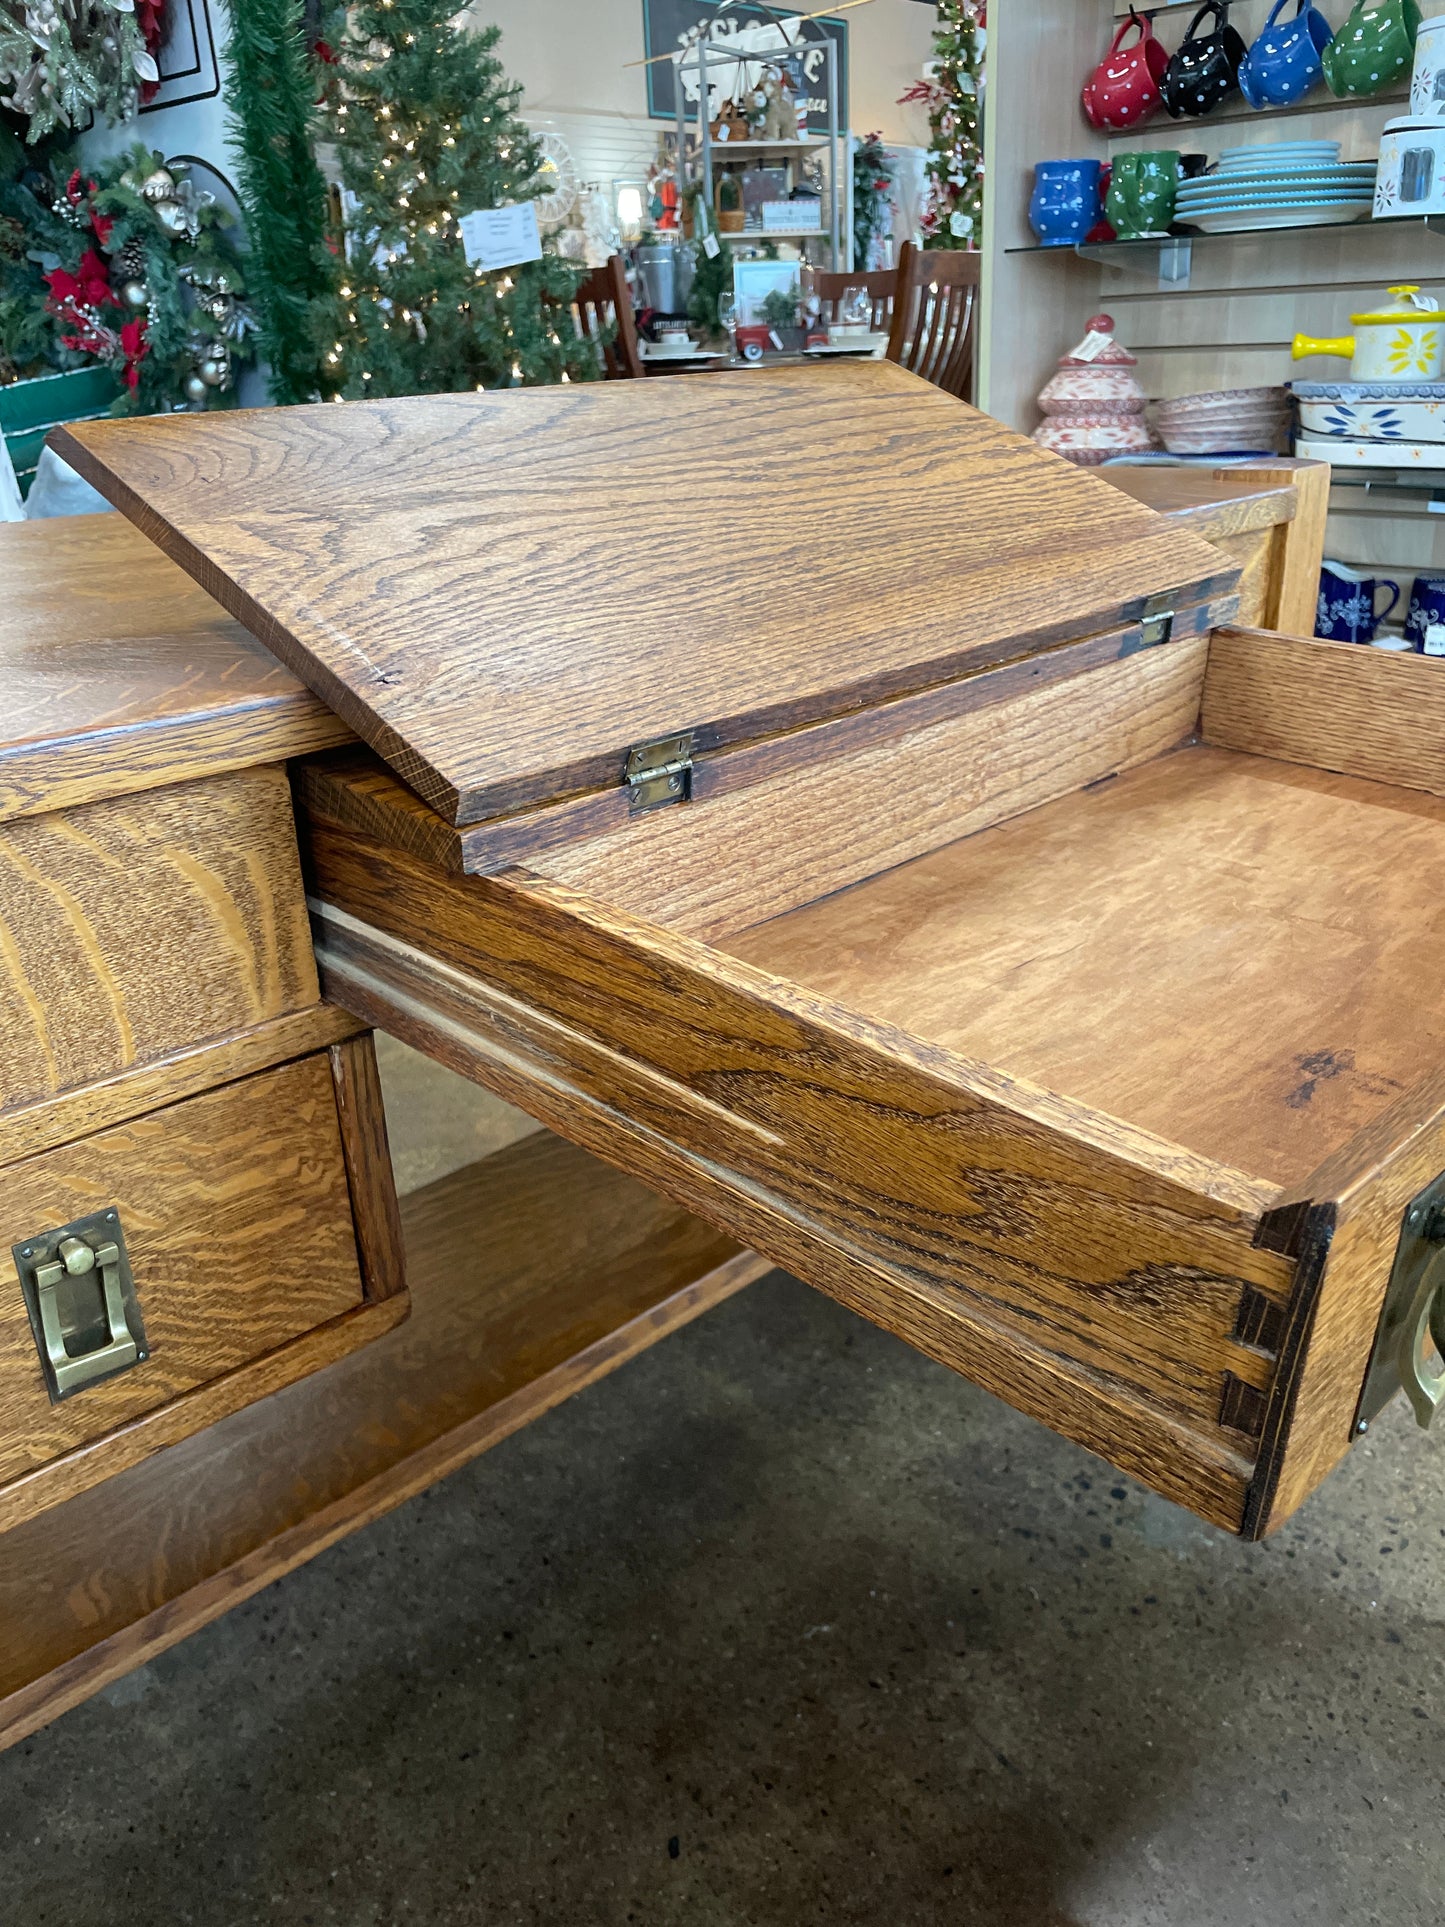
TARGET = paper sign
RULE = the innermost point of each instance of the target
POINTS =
(1435, 639)
(501, 237)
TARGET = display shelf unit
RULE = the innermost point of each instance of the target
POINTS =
(1200, 311)
(707, 60)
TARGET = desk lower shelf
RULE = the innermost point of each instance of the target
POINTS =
(534, 1272)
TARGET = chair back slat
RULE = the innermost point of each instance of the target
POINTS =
(603, 309)
(933, 316)
(831, 286)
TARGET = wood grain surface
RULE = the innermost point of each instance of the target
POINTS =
(461, 577)
(1289, 499)
(1106, 1246)
(133, 928)
(536, 1065)
(166, 1080)
(1333, 705)
(1344, 1238)
(725, 861)
(777, 823)
(1215, 947)
(1212, 503)
(118, 673)
(536, 1272)
(361, 1115)
(238, 1224)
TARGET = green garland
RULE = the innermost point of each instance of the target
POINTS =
(425, 130)
(128, 267)
(271, 92)
(872, 188)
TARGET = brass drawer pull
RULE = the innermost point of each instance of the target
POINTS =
(1425, 1324)
(82, 1304)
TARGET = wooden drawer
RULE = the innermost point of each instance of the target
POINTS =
(133, 928)
(1114, 1104)
(260, 1227)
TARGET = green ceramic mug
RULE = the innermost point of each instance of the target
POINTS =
(1142, 191)
(1375, 46)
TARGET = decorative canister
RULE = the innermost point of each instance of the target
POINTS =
(1411, 174)
(1065, 202)
(1094, 407)
(1402, 342)
(1427, 77)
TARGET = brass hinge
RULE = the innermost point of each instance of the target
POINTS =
(1156, 624)
(660, 772)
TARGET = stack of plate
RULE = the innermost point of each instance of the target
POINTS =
(1228, 421)
(1278, 184)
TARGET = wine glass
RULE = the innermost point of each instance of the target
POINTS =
(727, 317)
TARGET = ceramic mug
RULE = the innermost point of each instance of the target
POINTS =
(1142, 191)
(1374, 47)
(1204, 71)
(1284, 62)
(1123, 90)
(1346, 610)
(1425, 624)
(1065, 203)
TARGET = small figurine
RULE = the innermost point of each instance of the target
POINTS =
(1094, 407)
(772, 114)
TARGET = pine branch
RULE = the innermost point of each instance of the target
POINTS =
(271, 93)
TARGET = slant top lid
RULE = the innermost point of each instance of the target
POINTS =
(504, 593)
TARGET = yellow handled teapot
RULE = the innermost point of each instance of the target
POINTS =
(1403, 342)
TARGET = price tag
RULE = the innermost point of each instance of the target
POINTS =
(501, 237)
(710, 246)
(1435, 639)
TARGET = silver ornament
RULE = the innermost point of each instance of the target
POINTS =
(214, 373)
(193, 388)
(135, 294)
(159, 186)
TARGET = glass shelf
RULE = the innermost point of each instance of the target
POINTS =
(1173, 253)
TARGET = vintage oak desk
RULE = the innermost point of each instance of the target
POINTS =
(164, 1052)
(927, 885)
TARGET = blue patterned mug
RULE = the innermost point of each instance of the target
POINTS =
(1425, 624)
(1346, 610)
(1284, 62)
(1065, 202)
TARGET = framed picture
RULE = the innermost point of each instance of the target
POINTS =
(742, 29)
(754, 281)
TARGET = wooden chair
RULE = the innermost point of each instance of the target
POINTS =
(603, 305)
(880, 283)
(934, 307)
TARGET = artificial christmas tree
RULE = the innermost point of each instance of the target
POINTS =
(425, 131)
(954, 217)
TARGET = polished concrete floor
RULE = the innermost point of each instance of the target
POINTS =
(782, 1623)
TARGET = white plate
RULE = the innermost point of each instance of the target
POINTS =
(655, 351)
(1244, 220)
(874, 346)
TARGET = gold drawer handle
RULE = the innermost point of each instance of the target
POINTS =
(82, 1335)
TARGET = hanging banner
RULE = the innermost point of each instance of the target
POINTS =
(749, 30)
